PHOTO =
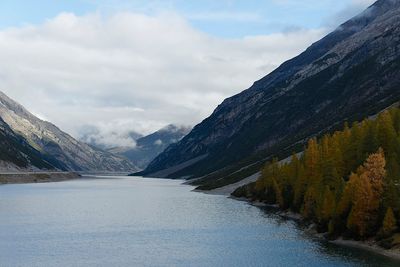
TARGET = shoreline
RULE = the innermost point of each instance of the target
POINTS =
(368, 246)
(364, 245)
(36, 177)
(227, 190)
(289, 215)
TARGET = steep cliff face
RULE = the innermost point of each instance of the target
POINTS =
(351, 73)
(65, 152)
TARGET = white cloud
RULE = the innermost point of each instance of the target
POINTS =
(224, 16)
(158, 142)
(131, 71)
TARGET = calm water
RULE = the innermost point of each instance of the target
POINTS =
(151, 222)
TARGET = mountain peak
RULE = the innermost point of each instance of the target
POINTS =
(175, 128)
(148, 147)
(351, 73)
(374, 11)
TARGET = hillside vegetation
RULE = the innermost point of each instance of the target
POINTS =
(346, 182)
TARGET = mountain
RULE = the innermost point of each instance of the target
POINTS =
(46, 141)
(16, 154)
(150, 146)
(350, 74)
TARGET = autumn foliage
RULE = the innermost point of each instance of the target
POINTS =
(346, 182)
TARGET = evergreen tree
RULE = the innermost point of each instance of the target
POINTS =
(389, 223)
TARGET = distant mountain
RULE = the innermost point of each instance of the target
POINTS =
(350, 74)
(150, 146)
(44, 142)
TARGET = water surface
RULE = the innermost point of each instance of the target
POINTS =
(120, 221)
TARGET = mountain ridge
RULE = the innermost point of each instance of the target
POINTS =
(149, 146)
(65, 152)
(301, 98)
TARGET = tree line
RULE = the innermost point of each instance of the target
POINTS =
(346, 182)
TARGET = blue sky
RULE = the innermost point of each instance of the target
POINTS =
(223, 18)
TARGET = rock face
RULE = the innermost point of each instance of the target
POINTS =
(16, 154)
(350, 74)
(55, 146)
(150, 146)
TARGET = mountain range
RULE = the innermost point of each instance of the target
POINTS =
(150, 146)
(352, 73)
(29, 143)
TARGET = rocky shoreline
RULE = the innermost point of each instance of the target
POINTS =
(368, 245)
(36, 177)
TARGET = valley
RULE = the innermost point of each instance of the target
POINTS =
(101, 166)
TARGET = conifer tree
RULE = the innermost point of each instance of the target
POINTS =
(278, 193)
(328, 206)
(389, 222)
(359, 219)
(337, 155)
(312, 162)
(386, 132)
(374, 168)
(310, 203)
(340, 182)
(368, 195)
(346, 201)
(299, 188)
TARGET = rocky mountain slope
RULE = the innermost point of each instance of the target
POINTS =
(61, 150)
(16, 154)
(150, 146)
(350, 74)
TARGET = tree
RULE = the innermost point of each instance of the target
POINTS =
(310, 203)
(390, 197)
(330, 175)
(389, 223)
(312, 162)
(346, 201)
(368, 195)
(278, 193)
(337, 155)
(386, 132)
(299, 188)
(328, 206)
(359, 218)
(344, 182)
(374, 169)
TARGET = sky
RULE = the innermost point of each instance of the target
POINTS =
(104, 68)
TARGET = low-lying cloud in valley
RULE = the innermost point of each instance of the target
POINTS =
(133, 72)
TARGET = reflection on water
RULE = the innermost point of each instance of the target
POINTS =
(152, 222)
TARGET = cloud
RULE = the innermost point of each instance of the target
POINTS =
(106, 136)
(354, 8)
(158, 142)
(132, 72)
(224, 16)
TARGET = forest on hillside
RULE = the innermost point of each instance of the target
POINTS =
(347, 182)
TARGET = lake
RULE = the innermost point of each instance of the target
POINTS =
(119, 221)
